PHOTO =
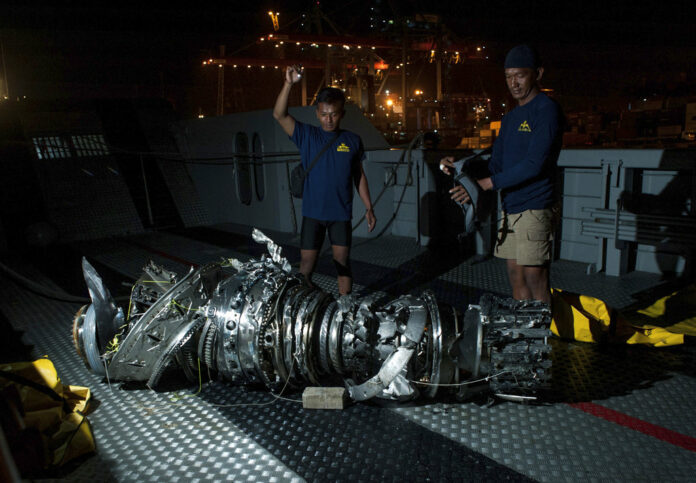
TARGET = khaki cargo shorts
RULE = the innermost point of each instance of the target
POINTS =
(526, 237)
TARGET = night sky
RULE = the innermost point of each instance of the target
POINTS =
(594, 52)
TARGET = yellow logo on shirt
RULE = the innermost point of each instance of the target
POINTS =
(524, 127)
(342, 148)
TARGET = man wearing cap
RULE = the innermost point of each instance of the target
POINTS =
(523, 168)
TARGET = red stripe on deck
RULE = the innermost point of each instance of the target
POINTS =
(664, 434)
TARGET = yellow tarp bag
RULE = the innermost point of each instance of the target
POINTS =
(54, 409)
(665, 322)
(675, 312)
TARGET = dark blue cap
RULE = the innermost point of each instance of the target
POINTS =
(522, 56)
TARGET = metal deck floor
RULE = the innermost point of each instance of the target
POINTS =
(620, 413)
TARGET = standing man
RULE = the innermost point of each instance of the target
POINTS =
(327, 202)
(523, 168)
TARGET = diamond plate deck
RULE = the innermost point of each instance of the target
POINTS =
(238, 433)
(84, 210)
(142, 435)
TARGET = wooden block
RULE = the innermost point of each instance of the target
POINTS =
(324, 398)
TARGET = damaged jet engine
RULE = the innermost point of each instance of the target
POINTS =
(262, 326)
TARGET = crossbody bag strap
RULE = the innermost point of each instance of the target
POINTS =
(323, 150)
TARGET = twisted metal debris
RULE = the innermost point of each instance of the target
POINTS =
(262, 326)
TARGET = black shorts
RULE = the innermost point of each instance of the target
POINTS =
(314, 231)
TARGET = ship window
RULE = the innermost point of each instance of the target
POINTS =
(259, 180)
(90, 145)
(55, 147)
(242, 164)
(51, 147)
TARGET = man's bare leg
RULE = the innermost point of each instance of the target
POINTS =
(341, 255)
(536, 278)
(308, 260)
(520, 290)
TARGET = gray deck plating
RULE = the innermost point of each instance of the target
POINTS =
(235, 433)
(142, 435)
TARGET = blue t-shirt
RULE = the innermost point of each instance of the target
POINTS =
(328, 188)
(523, 163)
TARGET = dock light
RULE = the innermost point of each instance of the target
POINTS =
(390, 102)
(274, 20)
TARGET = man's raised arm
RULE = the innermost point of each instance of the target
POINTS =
(293, 74)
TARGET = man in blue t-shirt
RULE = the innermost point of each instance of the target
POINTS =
(327, 201)
(523, 168)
